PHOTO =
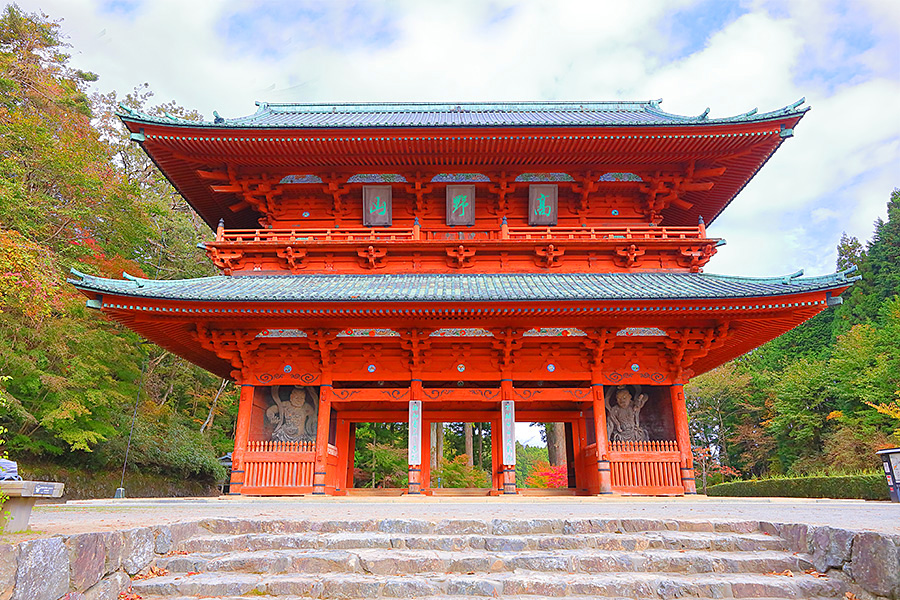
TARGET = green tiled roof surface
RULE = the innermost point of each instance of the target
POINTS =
(462, 288)
(516, 114)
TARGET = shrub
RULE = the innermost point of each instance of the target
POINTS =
(455, 472)
(545, 476)
(866, 486)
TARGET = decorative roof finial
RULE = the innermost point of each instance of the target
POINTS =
(705, 114)
(504, 220)
(217, 119)
(700, 220)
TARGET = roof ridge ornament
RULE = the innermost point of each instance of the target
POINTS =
(705, 114)
(217, 118)
(136, 280)
(796, 104)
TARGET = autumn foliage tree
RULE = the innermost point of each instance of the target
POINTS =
(74, 193)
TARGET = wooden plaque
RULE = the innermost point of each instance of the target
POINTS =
(377, 205)
(542, 204)
(460, 205)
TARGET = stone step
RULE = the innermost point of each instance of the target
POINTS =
(672, 540)
(444, 597)
(529, 585)
(399, 562)
(496, 527)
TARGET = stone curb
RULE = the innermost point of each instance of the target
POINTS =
(97, 566)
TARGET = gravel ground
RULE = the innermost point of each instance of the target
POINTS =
(104, 515)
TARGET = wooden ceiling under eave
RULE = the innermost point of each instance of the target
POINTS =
(180, 151)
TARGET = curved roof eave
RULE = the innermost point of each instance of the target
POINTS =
(449, 115)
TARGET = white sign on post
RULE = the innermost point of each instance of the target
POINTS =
(508, 429)
(415, 432)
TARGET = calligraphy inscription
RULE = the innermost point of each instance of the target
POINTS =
(460, 205)
(377, 206)
(542, 204)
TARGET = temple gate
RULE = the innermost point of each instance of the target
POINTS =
(538, 262)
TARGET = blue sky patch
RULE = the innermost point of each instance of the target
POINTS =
(125, 8)
(689, 30)
(274, 29)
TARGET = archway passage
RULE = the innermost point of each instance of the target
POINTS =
(379, 463)
(545, 461)
(460, 458)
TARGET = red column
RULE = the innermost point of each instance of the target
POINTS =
(683, 436)
(351, 456)
(603, 469)
(345, 453)
(322, 430)
(241, 437)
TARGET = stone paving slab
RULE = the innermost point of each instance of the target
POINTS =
(631, 585)
(107, 515)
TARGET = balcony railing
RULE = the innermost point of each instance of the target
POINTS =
(418, 234)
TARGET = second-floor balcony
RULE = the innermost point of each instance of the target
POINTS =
(442, 249)
(418, 234)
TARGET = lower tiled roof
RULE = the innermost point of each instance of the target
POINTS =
(461, 288)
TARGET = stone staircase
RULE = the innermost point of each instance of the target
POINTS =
(600, 559)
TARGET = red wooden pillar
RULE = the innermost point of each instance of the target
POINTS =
(683, 436)
(345, 454)
(323, 427)
(603, 465)
(425, 473)
(349, 480)
(241, 437)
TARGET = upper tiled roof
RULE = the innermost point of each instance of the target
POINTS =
(517, 114)
(462, 288)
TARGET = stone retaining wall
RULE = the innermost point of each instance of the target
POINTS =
(97, 566)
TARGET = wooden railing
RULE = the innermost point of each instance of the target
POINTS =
(651, 446)
(355, 234)
(272, 446)
(652, 467)
(640, 232)
(280, 466)
(415, 233)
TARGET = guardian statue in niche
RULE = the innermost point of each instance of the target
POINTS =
(624, 417)
(294, 420)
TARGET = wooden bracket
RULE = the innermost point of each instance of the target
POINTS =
(372, 257)
(294, 258)
(694, 257)
(506, 341)
(419, 189)
(324, 342)
(549, 256)
(584, 190)
(337, 191)
(502, 190)
(688, 345)
(233, 345)
(460, 257)
(417, 343)
(597, 342)
(629, 256)
(226, 260)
